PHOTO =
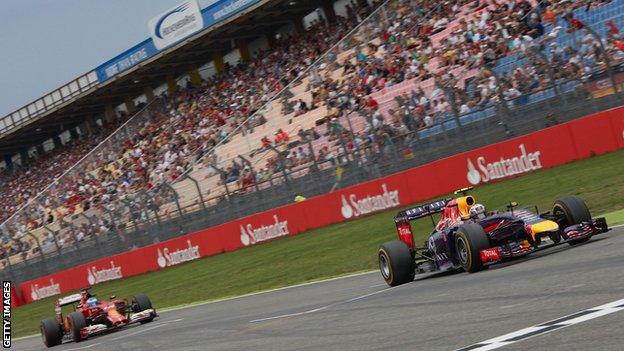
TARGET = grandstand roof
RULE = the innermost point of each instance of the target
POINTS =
(194, 51)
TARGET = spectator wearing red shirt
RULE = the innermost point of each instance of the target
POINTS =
(266, 142)
(372, 103)
(281, 137)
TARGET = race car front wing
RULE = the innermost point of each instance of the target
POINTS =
(95, 329)
(572, 233)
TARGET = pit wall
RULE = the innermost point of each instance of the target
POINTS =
(596, 134)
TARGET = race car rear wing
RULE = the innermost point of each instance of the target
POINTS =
(422, 211)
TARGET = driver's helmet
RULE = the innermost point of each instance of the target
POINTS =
(92, 302)
(477, 211)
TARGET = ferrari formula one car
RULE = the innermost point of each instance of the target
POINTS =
(470, 237)
(92, 316)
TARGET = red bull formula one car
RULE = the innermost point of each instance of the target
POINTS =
(92, 316)
(470, 237)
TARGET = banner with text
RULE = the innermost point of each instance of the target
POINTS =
(169, 28)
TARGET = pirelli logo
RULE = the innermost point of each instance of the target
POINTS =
(6, 314)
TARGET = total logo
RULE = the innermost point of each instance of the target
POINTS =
(95, 276)
(168, 258)
(40, 292)
(250, 235)
(352, 206)
(504, 167)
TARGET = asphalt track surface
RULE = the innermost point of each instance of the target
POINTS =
(446, 312)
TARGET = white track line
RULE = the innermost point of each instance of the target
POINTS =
(320, 308)
(290, 314)
(201, 303)
(547, 327)
(142, 330)
(83, 347)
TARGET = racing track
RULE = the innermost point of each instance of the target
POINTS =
(441, 313)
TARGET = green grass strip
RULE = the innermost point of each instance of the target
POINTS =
(615, 217)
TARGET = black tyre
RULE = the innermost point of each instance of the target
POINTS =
(470, 239)
(51, 332)
(571, 210)
(396, 263)
(76, 321)
(140, 303)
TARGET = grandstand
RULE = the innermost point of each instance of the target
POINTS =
(364, 85)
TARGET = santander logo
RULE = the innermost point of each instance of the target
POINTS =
(40, 292)
(352, 206)
(504, 167)
(95, 276)
(250, 235)
(168, 258)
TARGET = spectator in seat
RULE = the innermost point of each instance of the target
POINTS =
(247, 179)
(300, 108)
(281, 137)
(266, 142)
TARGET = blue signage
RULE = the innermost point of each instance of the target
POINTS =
(126, 60)
(211, 15)
(224, 9)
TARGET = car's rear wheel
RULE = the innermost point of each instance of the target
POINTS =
(140, 303)
(396, 263)
(571, 210)
(76, 322)
(51, 332)
(470, 239)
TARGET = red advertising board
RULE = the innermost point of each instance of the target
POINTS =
(578, 139)
(16, 299)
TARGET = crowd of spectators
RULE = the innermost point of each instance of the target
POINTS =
(24, 181)
(196, 118)
(461, 63)
(406, 43)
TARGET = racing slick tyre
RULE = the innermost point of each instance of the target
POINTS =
(572, 210)
(51, 332)
(140, 303)
(76, 321)
(396, 263)
(469, 241)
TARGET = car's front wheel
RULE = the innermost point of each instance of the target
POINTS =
(396, 263)
(140, 303)
(51, 332)
(76, 322)
(571, 210)
(470, 239)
